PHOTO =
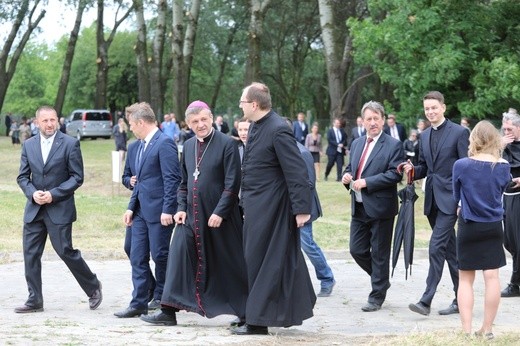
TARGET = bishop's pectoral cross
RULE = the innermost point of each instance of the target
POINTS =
(196, 173)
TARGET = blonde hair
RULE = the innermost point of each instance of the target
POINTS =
(485, 139)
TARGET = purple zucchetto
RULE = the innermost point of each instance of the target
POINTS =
(198, 104)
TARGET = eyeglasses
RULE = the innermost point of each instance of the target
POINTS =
(240, 102)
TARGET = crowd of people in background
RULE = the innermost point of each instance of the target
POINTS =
(191, 177)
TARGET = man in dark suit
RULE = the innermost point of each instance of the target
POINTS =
(300, 128)
(358, 131)
(372, 178)
(336, 149)
(443, 143)
(220, 124)
(395, 129)
(51, 169)
(151, 207)
(129, 179)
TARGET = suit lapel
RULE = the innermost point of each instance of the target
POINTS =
(36, 150)
(149, 147)
(377, 147)
(356, 154)
(58, 140)
(425, 142)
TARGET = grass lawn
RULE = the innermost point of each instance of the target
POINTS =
(101, 203)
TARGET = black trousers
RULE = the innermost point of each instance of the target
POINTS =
(34, 238)
(512, 233)
(337, 159)
(442, 248)
(370, 244)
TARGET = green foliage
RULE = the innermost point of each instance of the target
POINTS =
(32, 85)
(451, 46)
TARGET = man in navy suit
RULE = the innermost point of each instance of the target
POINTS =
(443, 143)
(300, 128)
(151, 207)
(51, 169)
(336, 149)
(358, 131)
(394, 129)
(372, 178)
(129, 179)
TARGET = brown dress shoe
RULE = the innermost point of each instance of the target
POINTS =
(26, 309)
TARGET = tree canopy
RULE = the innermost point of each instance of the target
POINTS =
(393, 51)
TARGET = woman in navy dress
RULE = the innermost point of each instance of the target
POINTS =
(478, 184)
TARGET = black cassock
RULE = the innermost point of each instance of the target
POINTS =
(274, 189)
(206, 270)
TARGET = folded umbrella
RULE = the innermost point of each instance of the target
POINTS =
(404, 233)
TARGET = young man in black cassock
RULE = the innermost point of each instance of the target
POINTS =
(206, 271)
(276, 198)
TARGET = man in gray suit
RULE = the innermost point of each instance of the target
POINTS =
(372, 178)
(51, 169)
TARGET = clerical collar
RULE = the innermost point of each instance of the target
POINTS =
(440, 126)
(208, 136)
(267, 115)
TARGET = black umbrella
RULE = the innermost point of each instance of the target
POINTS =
(405, 227)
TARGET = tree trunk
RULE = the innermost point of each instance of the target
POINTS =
(223, 62)
(69, 56)
(332, 57)
(103, 46)
(143, 76)
(157, 87)
(253, 63)
(9, 61)
(182, 47)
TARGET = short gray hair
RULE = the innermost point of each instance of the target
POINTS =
(373, 106)
(513, 117)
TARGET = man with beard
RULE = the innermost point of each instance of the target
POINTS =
(206, 270)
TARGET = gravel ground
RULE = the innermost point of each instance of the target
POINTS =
(338, 319)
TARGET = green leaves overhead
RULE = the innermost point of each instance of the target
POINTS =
(452, 46)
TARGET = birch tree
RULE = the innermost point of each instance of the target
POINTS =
(253, 63)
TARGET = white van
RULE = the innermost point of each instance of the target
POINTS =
(90, 123)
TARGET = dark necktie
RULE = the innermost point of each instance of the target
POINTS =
(139, 154)
(363, 157)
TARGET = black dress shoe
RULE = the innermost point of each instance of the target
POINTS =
(130, 312)
(452, 309)
(154, 304)
(160, 318)
(371, 307)
(237, 322)
(26, 309)
(248, 329)
(96, 298)
(420, 308)
(511, 290)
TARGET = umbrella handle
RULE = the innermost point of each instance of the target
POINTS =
(410, 174)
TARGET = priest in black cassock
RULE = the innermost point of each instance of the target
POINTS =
(206, 270)
(276, 198)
